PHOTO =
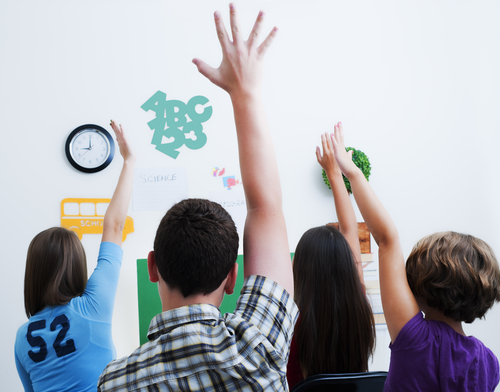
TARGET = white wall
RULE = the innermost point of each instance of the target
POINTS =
(415, 83)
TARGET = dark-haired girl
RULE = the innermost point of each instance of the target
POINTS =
(335, 332)
(67, 342)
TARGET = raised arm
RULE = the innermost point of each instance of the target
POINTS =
(397, 299)
(345, 212)
(265, 242)
(115, 216)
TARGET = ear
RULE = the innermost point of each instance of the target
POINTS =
(154, 275)
(231, 280)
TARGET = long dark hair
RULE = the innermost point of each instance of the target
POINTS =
(56, 270)
(336, 329)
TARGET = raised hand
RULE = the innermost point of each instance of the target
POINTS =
(241, 68)
(327, 160)
(343, 206)
(114, 219)
(343, 157)
(125, 150)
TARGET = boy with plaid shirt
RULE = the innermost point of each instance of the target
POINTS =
(192, 347)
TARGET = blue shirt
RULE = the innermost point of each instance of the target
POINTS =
(65, 348)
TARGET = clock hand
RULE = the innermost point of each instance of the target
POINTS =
(90, 139)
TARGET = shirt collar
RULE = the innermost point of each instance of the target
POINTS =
(165, 322)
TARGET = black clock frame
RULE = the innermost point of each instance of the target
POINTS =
(100, 130)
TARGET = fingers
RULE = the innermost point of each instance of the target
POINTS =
(318, 154)
(340, 131)
(235, 26)
(120, 135)
(115, 128)
(221, 30)
(324, 144)
(254, 34)
(329, 143)
(264, 46)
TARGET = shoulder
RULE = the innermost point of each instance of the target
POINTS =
(267, 306)
(417, 331)
(265, 299)
(21, 335)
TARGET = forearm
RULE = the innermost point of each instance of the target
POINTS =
(265, 241)
(345, 212)
(379, 222)
(116, 214)
(397, 299)
(258, 165)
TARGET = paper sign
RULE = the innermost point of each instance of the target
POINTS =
(157, 189)
(234, 203)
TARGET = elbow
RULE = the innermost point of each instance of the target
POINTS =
(388, 238)
(113, 227)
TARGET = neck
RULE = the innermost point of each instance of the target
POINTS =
(172, 298)
(434, 314)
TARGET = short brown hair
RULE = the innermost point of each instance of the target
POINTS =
(455, 273)
(196, 245)
(56, 270)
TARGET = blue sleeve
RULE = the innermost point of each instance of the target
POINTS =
(98, 298)
(23, 375)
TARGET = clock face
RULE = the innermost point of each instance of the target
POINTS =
(90, 148)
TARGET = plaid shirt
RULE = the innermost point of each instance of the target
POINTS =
(194, 348)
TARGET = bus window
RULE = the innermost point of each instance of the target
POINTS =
(101, 208)
(71, 209)
(87, 209)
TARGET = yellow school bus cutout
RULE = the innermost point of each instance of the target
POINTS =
(86, 216)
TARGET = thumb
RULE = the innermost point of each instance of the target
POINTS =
(350, 153)
(205, 69)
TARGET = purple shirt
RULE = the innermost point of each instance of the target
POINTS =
(429, 355)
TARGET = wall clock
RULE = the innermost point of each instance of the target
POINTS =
(90, 148)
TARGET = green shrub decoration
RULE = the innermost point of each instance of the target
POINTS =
(360, 160)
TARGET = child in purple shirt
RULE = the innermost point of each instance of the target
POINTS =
(451, 278)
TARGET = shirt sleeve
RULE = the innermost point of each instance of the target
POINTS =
(269, 307)
(414, 334)
(98, 298)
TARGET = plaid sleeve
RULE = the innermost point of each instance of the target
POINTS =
(269, 307)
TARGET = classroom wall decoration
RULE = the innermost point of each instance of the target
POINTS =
(157, 189)
(171, 127)
(86, 216)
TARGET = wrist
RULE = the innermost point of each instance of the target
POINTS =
(130, 160)
(354, 174)
(244, 95)
(332, 174)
